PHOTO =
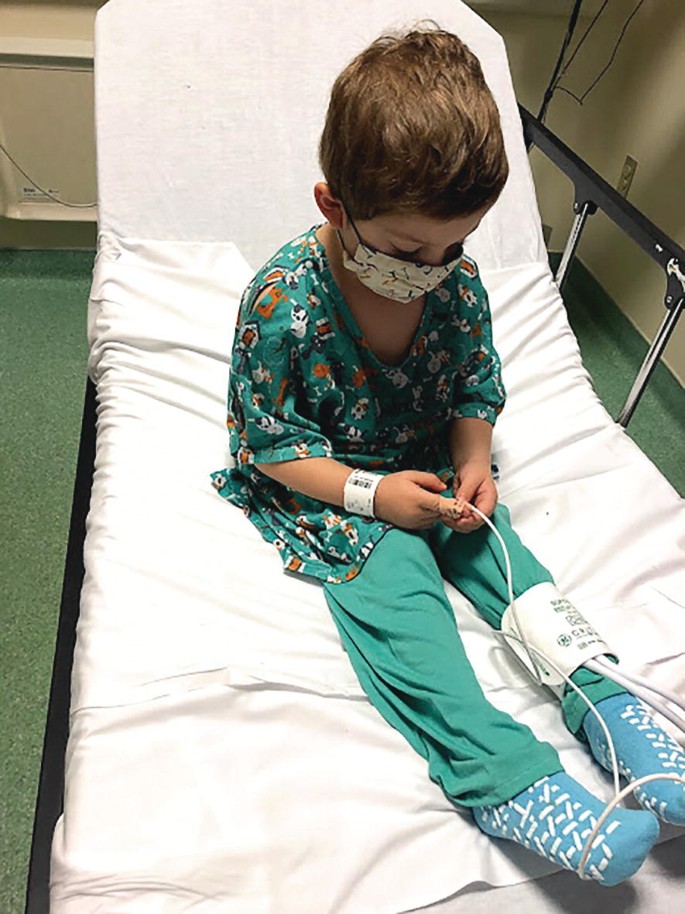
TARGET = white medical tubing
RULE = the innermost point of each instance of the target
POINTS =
(660, 690)
(510, 587)
(600, 664)
(529, 648)
(609, 670)
(637, 688)
(610, 808)
(602, 723)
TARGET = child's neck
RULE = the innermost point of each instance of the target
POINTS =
(388, 327)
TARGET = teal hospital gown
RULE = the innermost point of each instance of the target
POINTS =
(304, 383)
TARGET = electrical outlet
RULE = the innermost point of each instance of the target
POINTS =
(627, 176)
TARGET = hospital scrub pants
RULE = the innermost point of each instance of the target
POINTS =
(399, 631)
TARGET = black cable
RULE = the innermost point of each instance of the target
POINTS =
(585, 94)
(555, 75)
(567, 92)
(611, 60)
(585, 34)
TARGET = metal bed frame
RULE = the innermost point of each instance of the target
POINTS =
(591, 193)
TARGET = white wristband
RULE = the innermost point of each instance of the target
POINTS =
(358, 493)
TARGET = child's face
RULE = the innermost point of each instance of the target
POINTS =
(416, 238)
(412, 237)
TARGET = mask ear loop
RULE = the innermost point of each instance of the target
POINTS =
(350, 220)
(354, 227)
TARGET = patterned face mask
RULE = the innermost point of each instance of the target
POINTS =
(391, 277)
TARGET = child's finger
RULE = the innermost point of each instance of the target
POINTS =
(459, 526)
(429, 502)
(464, 522)
(487, 502)
(429, 481)
(466, 491)
(450, 508)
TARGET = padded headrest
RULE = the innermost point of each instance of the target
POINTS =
(208, 117)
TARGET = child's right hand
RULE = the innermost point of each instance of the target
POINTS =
(409, 499)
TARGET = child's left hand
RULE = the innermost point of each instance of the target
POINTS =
(473, 483)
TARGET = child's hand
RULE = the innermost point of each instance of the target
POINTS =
(409, 499)
(473, 483)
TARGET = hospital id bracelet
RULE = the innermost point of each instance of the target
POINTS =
(358, 493)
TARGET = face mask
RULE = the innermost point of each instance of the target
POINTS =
(400, 280)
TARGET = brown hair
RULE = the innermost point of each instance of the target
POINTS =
(412, 127)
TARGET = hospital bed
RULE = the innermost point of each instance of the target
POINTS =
(221, 755)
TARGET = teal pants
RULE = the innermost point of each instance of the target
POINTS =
(399, 631)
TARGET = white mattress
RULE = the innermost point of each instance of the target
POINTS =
(221, 748)
(222, 756)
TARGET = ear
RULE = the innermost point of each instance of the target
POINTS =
(331, 208)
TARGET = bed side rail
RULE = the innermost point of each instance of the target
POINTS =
(592, 192)
(49, 801)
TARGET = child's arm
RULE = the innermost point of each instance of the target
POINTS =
(322, 478)
(479, 400)
(409, 499)
(470, 442)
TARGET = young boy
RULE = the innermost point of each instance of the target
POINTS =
(364, 388)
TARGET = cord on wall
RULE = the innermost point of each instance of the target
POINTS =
(41, 189)
(41, 54)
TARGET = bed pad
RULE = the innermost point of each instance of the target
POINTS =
(222, 755)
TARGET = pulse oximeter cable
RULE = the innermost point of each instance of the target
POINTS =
(637, 685)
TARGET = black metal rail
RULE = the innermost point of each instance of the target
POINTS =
(49, 803)
(592, 192)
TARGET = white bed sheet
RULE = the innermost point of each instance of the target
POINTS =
(222, 757)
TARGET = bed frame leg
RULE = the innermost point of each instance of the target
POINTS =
(650, 362)
(582, 213)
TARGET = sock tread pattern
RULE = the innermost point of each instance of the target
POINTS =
(667, 751)
(549, 830)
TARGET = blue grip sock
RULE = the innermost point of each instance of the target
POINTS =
(642, 748)
(555, 817)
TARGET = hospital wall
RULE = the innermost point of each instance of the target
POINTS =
(638, 108)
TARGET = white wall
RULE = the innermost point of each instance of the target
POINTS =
(47, 122)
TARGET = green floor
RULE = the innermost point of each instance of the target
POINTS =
(43, 358)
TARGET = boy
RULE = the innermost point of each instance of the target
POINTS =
(364, 387)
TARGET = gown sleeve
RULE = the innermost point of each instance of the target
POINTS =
(480, 393)
(271, 413)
